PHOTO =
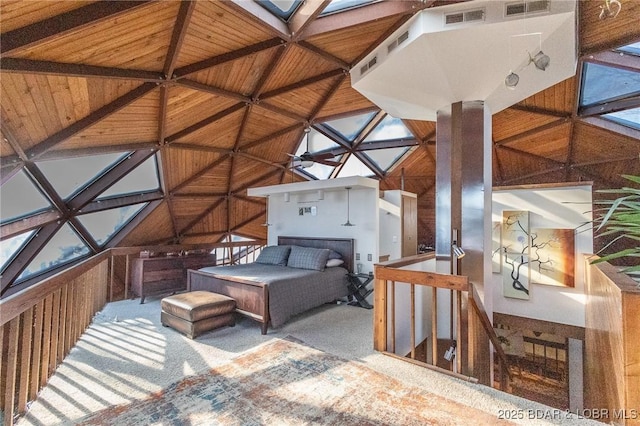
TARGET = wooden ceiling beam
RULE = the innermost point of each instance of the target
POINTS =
(302, 83)
(31, 66)
(332, 90)
(361, 15)
(162, 114)
(17, 227)
(132, 224)
(84, 234)
(203, 123)
(64, 23)
(531, 175)
(213, 90)
(246, 221)
(203, 148)
(122, 201)
(262, 17)
(226, 57)
(620, 60)
(282, 111)
(201, 216)
(90, 120)
(611, 106)
(611, 43)
(531, 132)
(603, 123)
(260, 160)
(538, 158)
(390, 143)
(324, 54)
(269, 71)
(81, 152)
(272, 136)
(199, 195)
(180, 28)
(540, 111)
(304, 15)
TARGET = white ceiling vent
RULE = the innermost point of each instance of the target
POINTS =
(395, 43)
(522, 7)
(460, 17)
(366, 67)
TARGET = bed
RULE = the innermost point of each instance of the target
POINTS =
(271, 292)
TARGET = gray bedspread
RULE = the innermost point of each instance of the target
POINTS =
(291, 290)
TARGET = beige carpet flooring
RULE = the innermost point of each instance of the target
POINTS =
(126, 354)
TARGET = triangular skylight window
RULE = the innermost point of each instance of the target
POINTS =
(64, 247)
(354, 167)
(320, 171)
(26, 198)
(317, 142)
(281, 8)
(10, 247)
(602, 83)
(633, 49)
(629, 117)
(143, 178)
(342, 5)
(104, 224)
(85, 170)
(385, 158)
(350, 127)
(388, 129)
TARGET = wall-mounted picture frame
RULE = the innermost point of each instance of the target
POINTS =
(553, 256)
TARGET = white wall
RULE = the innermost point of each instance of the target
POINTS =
(391, 223)
(549, 207)
(331, 213)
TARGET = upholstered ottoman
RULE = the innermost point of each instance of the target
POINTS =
(195, 312)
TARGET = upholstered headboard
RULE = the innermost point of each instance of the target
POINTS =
(344, 246)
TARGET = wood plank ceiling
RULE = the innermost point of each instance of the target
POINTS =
(222, 91)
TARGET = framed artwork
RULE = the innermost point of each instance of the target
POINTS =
(496, 245)
(515, 253)
(515, 275)
(553, 257)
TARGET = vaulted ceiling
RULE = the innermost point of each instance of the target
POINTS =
(221, 93)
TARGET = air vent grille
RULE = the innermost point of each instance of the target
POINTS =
(366, 67)
(395, 43)
(468, 16)
(522, 7)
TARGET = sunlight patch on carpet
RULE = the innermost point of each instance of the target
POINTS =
(288, 383)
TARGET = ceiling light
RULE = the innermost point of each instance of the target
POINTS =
(540, 60)
(511, 81)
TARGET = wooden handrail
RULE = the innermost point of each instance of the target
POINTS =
(478, 308)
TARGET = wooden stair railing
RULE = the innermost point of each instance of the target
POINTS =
(505, 371)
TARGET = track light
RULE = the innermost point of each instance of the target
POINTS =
(458, 252)
(511, 81)
(540, 60)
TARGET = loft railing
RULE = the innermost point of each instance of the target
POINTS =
(40, 325)
(423, 288)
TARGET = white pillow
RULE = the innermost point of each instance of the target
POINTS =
(334, 262)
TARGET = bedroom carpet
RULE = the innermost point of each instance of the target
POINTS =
(126, 355)
(287, 383)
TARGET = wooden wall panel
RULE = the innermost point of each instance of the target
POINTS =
(345, 99)
(349, 43)
(295, 65)
(17, 14)
(240, 76)
(612, 347)
(187, 106)
(217, 28)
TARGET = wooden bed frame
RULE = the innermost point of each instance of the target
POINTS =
(252, 298)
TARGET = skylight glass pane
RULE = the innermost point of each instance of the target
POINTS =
(601, 83)
(385, 158)
(389, 128)
(102, 225)
(354, 167)
(25, 198)
(64, 247)
(633, 49)
(350, 127)
(341, 5)
(629, 118)
(320, 171)
(85, 169)
(11, 246)
(281, 8)
(316, 142)
(143, 178)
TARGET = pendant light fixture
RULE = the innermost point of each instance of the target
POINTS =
(348, 223)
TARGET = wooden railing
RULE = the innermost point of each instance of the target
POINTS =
(466, 308)
(40, 325)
